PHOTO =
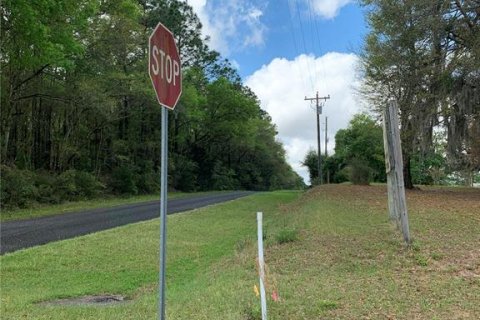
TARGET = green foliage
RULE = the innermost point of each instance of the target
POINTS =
(335, 170)
(360, 172)
(17, 188)
(24, 188)
(76, 185)
(359, 155)
(311, 162)
(407, 56)
(361, 147)
(80, 105)
(286, 235)
(429, 169)
(223, 178)
(148, 180)
(124, 180)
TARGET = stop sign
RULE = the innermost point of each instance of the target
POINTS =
(164, 66)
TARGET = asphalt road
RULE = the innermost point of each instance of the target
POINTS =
(16, 235)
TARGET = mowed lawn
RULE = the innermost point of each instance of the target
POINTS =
(331, 253)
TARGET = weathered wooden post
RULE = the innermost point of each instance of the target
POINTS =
(397, 204)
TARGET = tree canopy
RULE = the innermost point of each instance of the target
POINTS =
(79, 111)
(425, 55)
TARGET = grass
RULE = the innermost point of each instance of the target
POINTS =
(346, 261)
(125, 261)
(47, 210)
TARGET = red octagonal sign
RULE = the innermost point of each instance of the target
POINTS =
(164, 66)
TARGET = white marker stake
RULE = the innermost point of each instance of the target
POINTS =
(261, 264)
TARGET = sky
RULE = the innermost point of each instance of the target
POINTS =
(286, 50)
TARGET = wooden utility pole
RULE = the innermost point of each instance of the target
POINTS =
(397, 203)
(326, 137)
(318, 110)
(326, 148)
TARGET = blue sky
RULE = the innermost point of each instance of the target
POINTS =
(286, 50)
(283, 35)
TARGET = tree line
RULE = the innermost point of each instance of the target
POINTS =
(80, 118)
(426, 56)
(359, 157)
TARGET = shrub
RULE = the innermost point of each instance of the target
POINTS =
(17, 188)
(123, 180)
(223, 178)
(87, 185)
(148, 181)
(184, 173)
(74, 185)
(66, 187)
(360, 172)
(46, 183)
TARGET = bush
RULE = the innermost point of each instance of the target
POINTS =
(87, 185)
(17, 188)
(360, 172)
(149, 180)
(46, 185)
(75, 185)
(185, 173)
(66, 186)
(223, 178)
(123, 180)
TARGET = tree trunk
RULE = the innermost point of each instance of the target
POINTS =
(407, 174)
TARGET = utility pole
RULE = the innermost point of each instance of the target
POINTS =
(326, 137)
(319, 112)
(326, 148)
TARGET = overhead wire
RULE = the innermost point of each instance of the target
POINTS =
(304, 44)
(291, 8)
(319, 44)
(314, 43)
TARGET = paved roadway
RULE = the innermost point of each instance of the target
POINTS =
(16, 235)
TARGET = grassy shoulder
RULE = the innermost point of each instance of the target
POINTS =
(331, 253)
(47, 210)
(125, 261)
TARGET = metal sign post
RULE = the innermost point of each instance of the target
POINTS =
(163, 212)
(164, 68)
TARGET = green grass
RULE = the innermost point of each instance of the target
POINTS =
(47, 210)
(346, 261)
(125, 261)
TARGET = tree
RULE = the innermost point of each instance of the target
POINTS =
(39, 43)
(424, 55)
(79, 111)
(311, 162)
(360, 146)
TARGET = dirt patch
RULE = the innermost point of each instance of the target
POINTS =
(106, 299)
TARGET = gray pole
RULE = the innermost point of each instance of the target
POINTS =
(163, 212)
(394, 168)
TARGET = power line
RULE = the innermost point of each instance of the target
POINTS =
(304, 43)
(318, 43)
(297, 52)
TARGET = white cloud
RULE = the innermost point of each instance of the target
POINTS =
(328, 9)
(231, 25)
(282, 86)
